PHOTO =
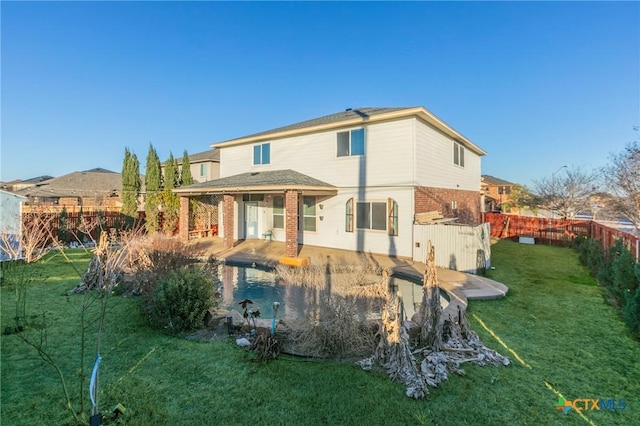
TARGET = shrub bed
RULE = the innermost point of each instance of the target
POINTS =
(618, 273)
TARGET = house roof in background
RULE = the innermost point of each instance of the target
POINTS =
(205, 156)
(89, 183)
(490, 180)
(353, 117)
(31, 181)
(267, 181)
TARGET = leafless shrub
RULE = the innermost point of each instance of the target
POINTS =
(36, 235)
(337, 332)
(151, 257)
(266, 346)
(335, 327)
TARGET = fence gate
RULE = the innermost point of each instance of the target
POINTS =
(459, 247)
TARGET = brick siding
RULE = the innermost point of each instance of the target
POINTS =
(227, 220)
(431, 199)
(183, 224)
(291, 225)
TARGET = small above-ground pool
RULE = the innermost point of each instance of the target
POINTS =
(263, 288)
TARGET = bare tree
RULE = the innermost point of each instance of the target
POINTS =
(622, 177)
(567, 194)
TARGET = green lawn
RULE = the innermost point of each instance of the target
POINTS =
(554, 324)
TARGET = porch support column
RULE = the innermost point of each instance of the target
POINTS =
(291, 225)
(227, 221)
(183, 221)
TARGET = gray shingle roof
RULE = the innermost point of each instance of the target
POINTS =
(198, 157)
(348, 114)
(77, 184)
(267, 179)
(490, 180)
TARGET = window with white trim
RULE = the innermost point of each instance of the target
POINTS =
(309, 213)
(278, 212)
(262, 153)
(204, 169)
(458, 154)
(350, 143)
(348, 218)
(374, 215)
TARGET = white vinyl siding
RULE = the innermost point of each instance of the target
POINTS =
(434, 162)
(388, 159)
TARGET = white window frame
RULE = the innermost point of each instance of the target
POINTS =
(306, 215)
(349, 148)
(261, 148)
(278, 214)
(391, 216)
(458, 154)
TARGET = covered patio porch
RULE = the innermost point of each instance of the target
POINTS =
(259, 205)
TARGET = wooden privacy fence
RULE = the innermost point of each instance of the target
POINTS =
(544, 230)
(85, 226)
(609, 235)
(558, 231)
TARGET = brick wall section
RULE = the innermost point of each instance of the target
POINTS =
(183, 221)
(291, 225)
(227, 220)
(430, 199)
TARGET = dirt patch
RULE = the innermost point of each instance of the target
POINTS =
(210, 334)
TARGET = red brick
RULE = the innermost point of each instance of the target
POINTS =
(439, 199)
(227, 220)
(291, 225)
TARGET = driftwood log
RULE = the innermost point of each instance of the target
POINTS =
(442, 345)
(101, 273)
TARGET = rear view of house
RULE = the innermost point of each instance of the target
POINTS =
(352, 180)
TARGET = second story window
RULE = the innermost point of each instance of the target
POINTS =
(351, 143)
(458, 154)
(204, 170)
(262, 153)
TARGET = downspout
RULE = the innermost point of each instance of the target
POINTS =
(413, 189)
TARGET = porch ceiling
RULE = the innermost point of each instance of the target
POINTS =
(272, 181)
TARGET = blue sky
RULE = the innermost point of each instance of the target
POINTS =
(536, 84)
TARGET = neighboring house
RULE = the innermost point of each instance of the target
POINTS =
(205, 165)
(96, 189)
(352, 180)
(496, 192)
(10, 225)
(16, 185)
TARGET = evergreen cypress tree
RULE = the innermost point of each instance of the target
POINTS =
(153, 184)
(170, 201)
(170, 173)
(185, 176)
(130, 183)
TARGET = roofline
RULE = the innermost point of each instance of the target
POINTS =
(419, 112)
(263, 189)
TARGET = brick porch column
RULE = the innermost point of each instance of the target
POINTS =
(183, 221)
(291, 225)
(227, 221)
